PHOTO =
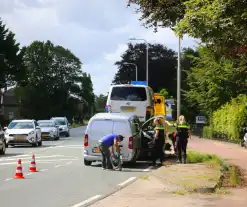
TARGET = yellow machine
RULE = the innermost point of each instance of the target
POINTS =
(159, 105)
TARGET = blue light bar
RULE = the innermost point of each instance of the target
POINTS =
(139, 83)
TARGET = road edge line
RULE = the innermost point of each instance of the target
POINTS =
(87, 202)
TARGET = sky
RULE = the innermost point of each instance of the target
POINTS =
(96, 31)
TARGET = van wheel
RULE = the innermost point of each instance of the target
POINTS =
(87, 163)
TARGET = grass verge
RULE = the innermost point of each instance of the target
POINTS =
(74, 125)
(230, 176)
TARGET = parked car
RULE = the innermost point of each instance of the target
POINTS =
(2, 142)
(63, 125)
(22, 132)
(49, 129)
(102, 124)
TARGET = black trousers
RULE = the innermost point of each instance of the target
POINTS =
(158, 151)
(181, 148)
(106, 156)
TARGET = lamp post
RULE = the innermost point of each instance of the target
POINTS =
(125, 63)
(179, 79)
(146, 56)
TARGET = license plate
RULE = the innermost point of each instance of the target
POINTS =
(19, 138)
(129, 109)
(96, 150)
(45, 135)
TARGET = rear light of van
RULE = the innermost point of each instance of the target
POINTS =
(131, 143)
(149, 109)
(85, 140)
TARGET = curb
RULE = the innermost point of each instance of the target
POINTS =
(110, 193)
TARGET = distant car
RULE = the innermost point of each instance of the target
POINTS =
(22, 132)
(63, 125)
(2, 142)
(49, 129)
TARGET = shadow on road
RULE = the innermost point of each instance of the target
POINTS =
(11, 154)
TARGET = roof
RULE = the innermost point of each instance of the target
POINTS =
(130, 85)
(58, 117)
(122, 116)
(23, 120)
(46, 120)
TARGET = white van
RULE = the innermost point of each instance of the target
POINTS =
(137, 99)
(102, 124)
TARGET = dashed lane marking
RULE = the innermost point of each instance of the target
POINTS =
(148, 169)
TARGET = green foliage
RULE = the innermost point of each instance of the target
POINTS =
(160, 13)
(207, 132)
(231, 118)
(163, 92)
(220, 23)
(100, 102)
(12, 71)
(213, 80)
(56, 85)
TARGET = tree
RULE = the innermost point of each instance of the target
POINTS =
(53, 72)
(219, 23)
(163, 92)
(12, 70)
(162, 67)
(214, 80)
(100, 102)
(160, 13)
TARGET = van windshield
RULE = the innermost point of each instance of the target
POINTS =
(128, 94)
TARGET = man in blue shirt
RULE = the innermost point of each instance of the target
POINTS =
(105, 143)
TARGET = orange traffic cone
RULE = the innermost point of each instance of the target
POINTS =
(18, 172)
(32, 167)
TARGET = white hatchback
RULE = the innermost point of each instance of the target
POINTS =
(22, 132)
(102, 124)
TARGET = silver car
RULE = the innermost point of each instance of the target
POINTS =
(49, 129)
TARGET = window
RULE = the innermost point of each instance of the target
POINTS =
(46, 124)
(135, 125)
(20, 125)
(60, 122)
(128, 94)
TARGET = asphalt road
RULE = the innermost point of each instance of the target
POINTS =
(62, 180)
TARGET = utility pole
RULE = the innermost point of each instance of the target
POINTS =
(179, 79)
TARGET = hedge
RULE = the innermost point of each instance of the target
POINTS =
(229, 120)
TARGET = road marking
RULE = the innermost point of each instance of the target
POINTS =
(43, 170)
(87, 201)
(148, 169)
(8, 179)
(68, 163)
(127, 181)
(36, 157)
(58, 166)
(29, 173)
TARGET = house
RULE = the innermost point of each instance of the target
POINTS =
(10, 107)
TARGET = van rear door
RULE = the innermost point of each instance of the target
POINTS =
(98, 129)
(121, 127)
(134, 99)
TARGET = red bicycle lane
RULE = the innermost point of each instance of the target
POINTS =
(234, 154)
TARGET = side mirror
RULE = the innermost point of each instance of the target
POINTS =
(4, 128)
(56, 126)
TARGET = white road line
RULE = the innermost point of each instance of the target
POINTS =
(87, 201)
(148, 169)
(43, 170)
(68, 163)
(37, 157)
(8, 179)
(29, 174)
(127, 181)
(58, 166)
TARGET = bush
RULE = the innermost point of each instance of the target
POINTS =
(228, 121)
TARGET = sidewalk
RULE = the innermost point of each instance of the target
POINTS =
(151, 191)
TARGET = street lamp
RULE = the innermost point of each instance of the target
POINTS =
(146, 56)
(125, 63)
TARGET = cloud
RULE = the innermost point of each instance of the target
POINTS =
(95, 31)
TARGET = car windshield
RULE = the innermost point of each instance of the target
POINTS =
(128, 94)
(46, 124)
(20, 125)
(60, 122)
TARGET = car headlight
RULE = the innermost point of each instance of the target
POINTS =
(30, 133)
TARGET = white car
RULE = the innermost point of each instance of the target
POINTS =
(49, 129)
(63, 125)
(22, 132)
